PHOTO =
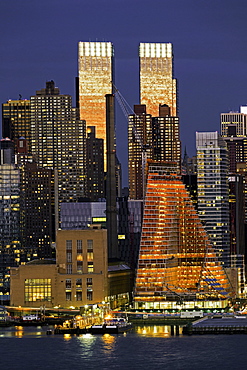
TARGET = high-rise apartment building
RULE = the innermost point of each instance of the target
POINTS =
(16, 120)
(156, 138)
(234, 131)
(58, 141)
(36, 223)
(213, 191)
(157, 83)
(95, 71)
(177, 262)
(10, 247)
(139, 149)
(166, 144)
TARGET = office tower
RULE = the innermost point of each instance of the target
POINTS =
(58, 141)
(177, 264)
(213, 191)
(36, 223)
(95, 71)
(16, 120)
(157, 83)
(237, 209)
(234, 131)
(139, 149)
(156, 138)
(36, 211)
(95, 166)
(10, 247)
(166, 145)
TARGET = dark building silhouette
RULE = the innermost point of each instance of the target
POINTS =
(95, 166)
(16, 120)
(11, 253)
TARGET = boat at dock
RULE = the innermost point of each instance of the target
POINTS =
(115, 325)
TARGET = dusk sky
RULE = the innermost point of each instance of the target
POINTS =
(39, 43)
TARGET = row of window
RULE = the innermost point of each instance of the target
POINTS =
(79, 246)
(78, 296)
(79, 267)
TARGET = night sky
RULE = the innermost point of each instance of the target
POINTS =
(39, 42)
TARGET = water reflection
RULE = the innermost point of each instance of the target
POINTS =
(67, 337)
(156, 330)
(87, 343)
(19, 331)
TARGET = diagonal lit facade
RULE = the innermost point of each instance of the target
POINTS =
(176, 259)
(157, 85)
(95, 71)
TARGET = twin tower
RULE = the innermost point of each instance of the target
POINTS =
(96, 77)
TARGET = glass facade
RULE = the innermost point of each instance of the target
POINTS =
(95, 72)
(11, 253)
(157, 85)
(176, 259)
(213, 191)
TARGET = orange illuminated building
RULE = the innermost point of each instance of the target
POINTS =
(157, 85)
(95, 70)
(176, 259)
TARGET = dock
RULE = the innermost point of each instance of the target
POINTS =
(217, 325)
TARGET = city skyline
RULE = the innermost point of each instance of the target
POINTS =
(210, 78)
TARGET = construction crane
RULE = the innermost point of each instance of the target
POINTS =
(127, 111)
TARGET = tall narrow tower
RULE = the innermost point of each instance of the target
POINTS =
(95, 69)
(157, 84)
(213, 191)
(111, 206)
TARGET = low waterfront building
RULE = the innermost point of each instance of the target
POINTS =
(77, 277)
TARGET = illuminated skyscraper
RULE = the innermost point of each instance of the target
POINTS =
(58, 141)
(95, 70)
(213, 191)
(156, 138)
(166, 143)
(177, 263)
(10, 247)
(16, 120)
(157, 84)
(36, 216)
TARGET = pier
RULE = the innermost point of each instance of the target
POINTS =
(217, 325)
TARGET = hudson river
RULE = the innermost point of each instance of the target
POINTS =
(144, 348)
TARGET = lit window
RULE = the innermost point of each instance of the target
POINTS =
(37, 290)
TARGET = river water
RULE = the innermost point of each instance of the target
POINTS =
(144, 348)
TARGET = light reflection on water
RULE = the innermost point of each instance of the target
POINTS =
(145, 347)
(20, 331)
(156, 330)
